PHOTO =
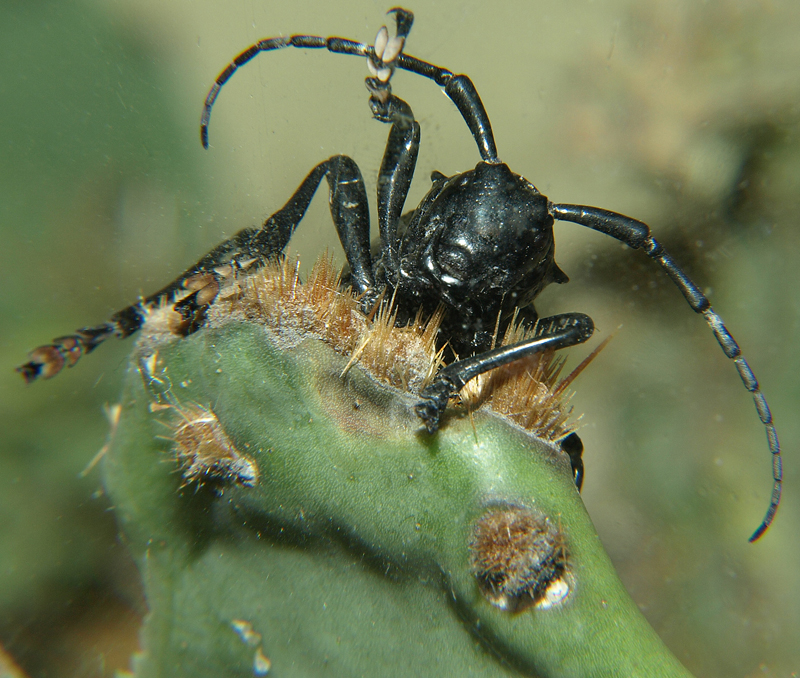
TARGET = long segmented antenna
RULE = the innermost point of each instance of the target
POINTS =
(458, 87)
(636, 234)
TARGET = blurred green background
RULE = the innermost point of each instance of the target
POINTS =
(683, 114)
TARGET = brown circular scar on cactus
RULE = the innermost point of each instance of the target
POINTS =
(519, 558)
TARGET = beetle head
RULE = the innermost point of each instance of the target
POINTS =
(482, 239)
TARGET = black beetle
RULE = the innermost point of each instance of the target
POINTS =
(480, 244)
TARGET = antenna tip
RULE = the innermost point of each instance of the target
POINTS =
(758, 533)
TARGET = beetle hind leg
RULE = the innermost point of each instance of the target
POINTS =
(194, 290)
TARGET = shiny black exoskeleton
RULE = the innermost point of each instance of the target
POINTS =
(480, 245)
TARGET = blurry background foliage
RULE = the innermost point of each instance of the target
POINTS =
(679, 113)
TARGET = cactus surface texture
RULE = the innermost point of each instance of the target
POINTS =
(291, 517)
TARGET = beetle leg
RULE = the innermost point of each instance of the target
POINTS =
(402, 146)
(636, 234)
(394, 179)
(572, 446)
(195, 289)
(350, 212)
(555, 332)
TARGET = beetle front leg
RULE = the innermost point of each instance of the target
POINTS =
(555, 332)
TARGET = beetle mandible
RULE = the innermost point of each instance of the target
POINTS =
(480, 244)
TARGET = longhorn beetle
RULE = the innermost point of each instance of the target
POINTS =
(480, 244)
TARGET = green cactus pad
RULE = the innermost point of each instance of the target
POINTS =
(347, 546)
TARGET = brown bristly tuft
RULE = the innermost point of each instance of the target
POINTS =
(163, 321)
(404, 357)
(204, 451)
(516, 554)
(527, 391)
